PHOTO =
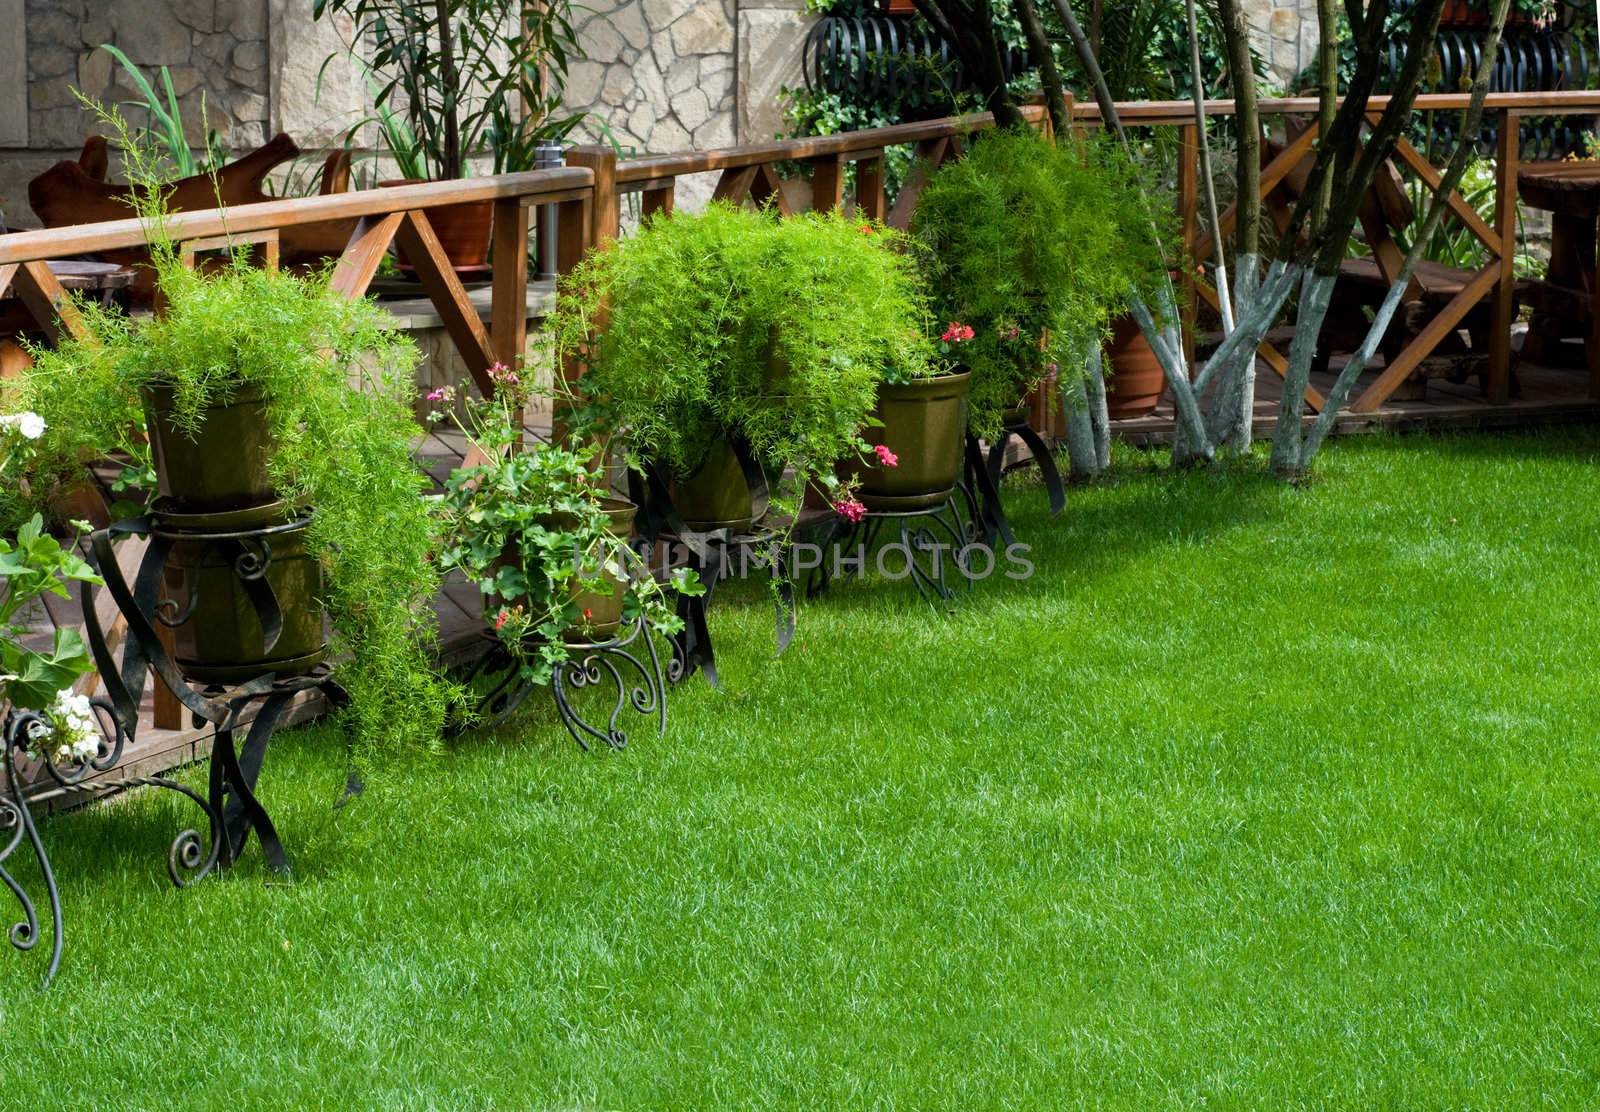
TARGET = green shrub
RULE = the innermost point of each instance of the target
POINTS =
(1034, 245)
(336, 380)
(735, 323)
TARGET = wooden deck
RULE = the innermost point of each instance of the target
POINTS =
(1543, 396)
(1540, 396)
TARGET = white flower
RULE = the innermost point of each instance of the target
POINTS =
(29, 424)
(74, 727)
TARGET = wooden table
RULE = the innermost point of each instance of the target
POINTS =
(1567, 303)
(16, 319)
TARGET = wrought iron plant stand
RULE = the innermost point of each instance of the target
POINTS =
(231, 807)
(710, 554)
(632, 668)
(933, 539)
(1017, 425)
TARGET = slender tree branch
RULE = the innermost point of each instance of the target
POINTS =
(1207, 182)
(452, 162)
(1242, 77)
(1055, 99)
(1439, 202)
(1091, 68)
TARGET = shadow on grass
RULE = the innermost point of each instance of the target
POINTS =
(1141, 507)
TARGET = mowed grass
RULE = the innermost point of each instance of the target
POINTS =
(1250, 797)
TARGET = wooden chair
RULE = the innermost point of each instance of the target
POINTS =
(77, 192)
(1365, 282)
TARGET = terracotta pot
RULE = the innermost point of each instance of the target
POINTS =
(924, 424)
(81, 501)
(1462, 13)
(717, 496)
(1136, 382)
(220, 639)
(463, 232)
(223, 465)
(604, 607)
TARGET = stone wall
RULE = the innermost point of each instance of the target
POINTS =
(252, 64)
(677, 75)
(1285, 34)
(662, 75)
(215, 50)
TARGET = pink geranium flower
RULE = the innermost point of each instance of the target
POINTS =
(885, 457)
(851, 510)
(957, 333)
(501, 619)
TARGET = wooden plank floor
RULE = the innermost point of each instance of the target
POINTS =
(1543, 396)
(1540, 396)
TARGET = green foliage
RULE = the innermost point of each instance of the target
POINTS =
(33, 565)
(1143, 50)
(164, 131)
(733, 323)
(89, 414)
(336, 380)
(455, 77)
(1034, 245)
(820, 113)
(529, 527)
(1142, 47)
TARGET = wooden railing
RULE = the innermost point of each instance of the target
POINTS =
(586, 197)
(590, 194)
(1497, 279)
(380, 217)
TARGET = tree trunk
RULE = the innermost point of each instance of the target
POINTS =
(969, 27)
(1207, 180)
(451, 163)
(1043, 55)
(1297, 454)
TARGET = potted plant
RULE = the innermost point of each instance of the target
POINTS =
(317, 389)
(1134, 378)
(458, 80)
(1033, 244)
(915, 436)
(535, 528)
(734, 337)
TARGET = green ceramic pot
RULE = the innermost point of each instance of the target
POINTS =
(924, 423)
(604, 608)
(223, 466)
(717, 496)
(220, 640)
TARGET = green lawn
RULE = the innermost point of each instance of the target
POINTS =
(1252, 797)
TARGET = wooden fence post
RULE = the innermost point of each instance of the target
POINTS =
(576, 221)
(606, 214)
(827, 182)
(1505, 290)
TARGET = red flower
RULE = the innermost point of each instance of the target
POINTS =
(886, 457)
(587, 613)
(501, 619)
(851, 510)
(957, 333)
(866, 229)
